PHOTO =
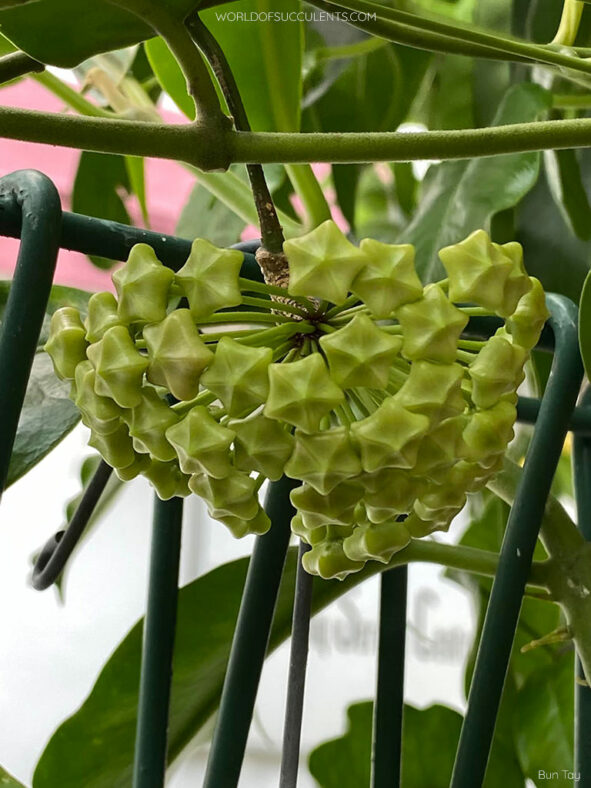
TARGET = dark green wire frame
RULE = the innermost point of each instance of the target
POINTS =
(30, 210)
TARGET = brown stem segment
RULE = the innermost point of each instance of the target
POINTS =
(271, 231)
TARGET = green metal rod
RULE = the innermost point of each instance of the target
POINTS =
(296, 681)
(518, 546)
(389, 705)
(249, 645)
(528, 409)
(34, 200)
(582, 480)
(159, 629)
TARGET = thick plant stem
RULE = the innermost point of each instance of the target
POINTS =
(17, 64)
(271, 232)
(216, 149)
(199, 83)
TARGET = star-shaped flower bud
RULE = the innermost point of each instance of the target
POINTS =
(360, 354)
(433, 389)
(177, 354)
(261, 445)
(235, 495)
(323, 459)
(417, 528)
(202, 445)
(142, 285)
(238, 375)
(477, 271)
(311, 536)
(518, 282)
(138, 466)
(496, 370)
(67, 343)
(431, 327)
(388, 279)
(102, 315)
(147, 424)
(469, 476)
(488, 432)
(115, 448)
(323, 263)
(101, 414)
(328, 560)
(388, 493)
(440, 449)
(527, 322)
(257, 525)
(119, 367)
(337, 506)
(167, 480)
(376, 542)
(441, 502)
(209, 278)
(389, 438)
(302, 392)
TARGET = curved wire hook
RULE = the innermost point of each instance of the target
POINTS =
(32, 195)
(56, 551)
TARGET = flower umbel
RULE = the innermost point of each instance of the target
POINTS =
(371, 398)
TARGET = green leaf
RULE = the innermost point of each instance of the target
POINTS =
(355, 100)
(48, 415)
(345, 762)
(169, 75)
(563, 171)
(204, 216)
(543, 722)
(8, 781)
(63, 33)
(460, 197)
(102, 732)
(552, 252)
(585, 325)
(97, 191)
(491, 78)
(266, 59)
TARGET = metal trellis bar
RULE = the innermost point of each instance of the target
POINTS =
(296, 680)
(249, 644)
(389, 703)
(582, 479)
(158, 645)
(518, 546)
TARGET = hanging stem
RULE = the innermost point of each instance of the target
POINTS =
(199, 83)
(271, 232)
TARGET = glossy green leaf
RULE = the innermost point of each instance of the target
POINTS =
(8, 781)
(585, 325)
(100, 179)
(429, 744)
(551, 251)
(204, 216)
(460, 197)
(265, 57)
(491, 78)
(169, 75)
(543, 723)
(563, 172)
(102, 732)
(48, 415)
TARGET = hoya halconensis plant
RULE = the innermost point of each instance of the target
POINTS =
(355, 381)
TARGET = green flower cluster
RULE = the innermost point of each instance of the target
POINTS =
(355, 381)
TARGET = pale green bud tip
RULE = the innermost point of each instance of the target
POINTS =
(209, 278)
(323, 263)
